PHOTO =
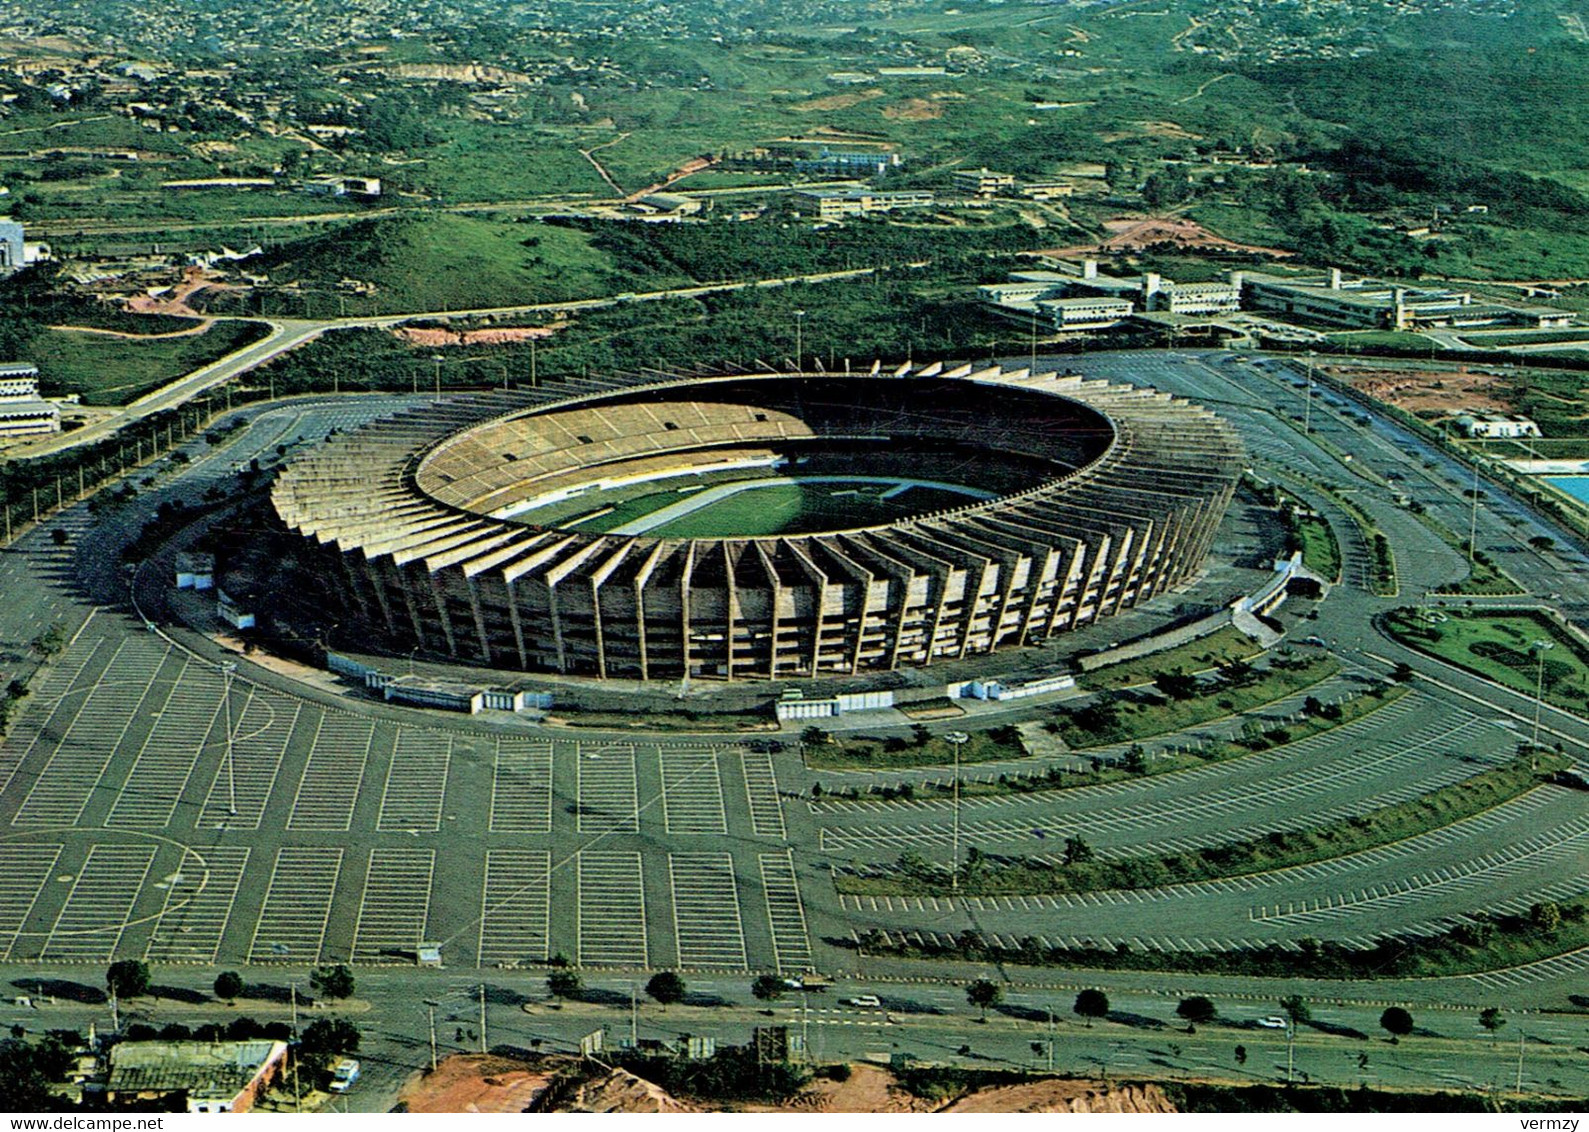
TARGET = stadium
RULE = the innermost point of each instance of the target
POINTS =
(761, 525)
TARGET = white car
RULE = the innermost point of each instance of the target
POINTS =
(1273, 1022)
(866, 1000)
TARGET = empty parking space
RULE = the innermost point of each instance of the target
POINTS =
(521, 787)
(329, 788)
(791, 942)
(292, 924)
(77, 764)
(395, 907)
(514, 919)
(24, 871)
(761, 786)
(198, 906)
(706, 910)
(692, 792)
(612, 909)
(416, 782)
(90, 925)
(605, 785)
(150, 795)
(57, 696)
(251, 759)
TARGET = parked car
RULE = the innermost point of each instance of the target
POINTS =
(866, 1000)
(343, 1074)
(1273, 1022)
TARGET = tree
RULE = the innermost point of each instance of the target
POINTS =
(1091, 1004)
(1295, 1007)
(1492, 1020)
(228, 985)
(128, 978)
(813, 735)
(983, 994)
(1396, 1022)
(26, 1071)
(1542, 542)
(1241, 1055)
(1402, 672)
(329, 1036)
(564, 984)
(1198, 1010)
(666, 987)
(332, 982)
(1176, 685)
(920, 734)
(767, 988)
(1077, 851)
(1545, 916)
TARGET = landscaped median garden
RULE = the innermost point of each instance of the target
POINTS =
(1080, 869)
(1259, 734)
(1504, 646)
(1179, 700)
(1488, 942)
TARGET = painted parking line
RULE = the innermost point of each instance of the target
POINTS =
(706, 910)
(250, 759)
(516, 907)
(329, 788)
(50, 710)
(612, 909)
(198, 906)
(761, 788)
(521, 787)
(164, 764)
(395, 907)
(90, 924)
(25, 869)
(416, 782)
(692, 792)
(292, 924)
(605, 789)
(791, 942)
(69, 779)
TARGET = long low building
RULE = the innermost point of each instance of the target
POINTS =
(423, 524)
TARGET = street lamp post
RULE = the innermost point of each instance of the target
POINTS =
(1539, 649)
(799, 340)
(228, 669)
(956, 739)
(1473, 515)
(437, 359)
(1307, 408)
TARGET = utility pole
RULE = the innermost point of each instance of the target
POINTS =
(483, 1045)
(1291, 1049)
(1519, 1063)
(799, 342)
(634, 1015)
(956, 738)
(432, 1008)
(296, 1095)
(1051, 1039)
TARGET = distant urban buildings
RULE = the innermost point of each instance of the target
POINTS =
(1495, 426)
(836, 204)
(22, 411)
(1077, 296)
(986, 184)
(1083, 298)
(1331, 299)
(13, 252)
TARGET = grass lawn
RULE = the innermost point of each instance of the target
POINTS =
(109, 370)
(1143, 718)
(1498, 646)
(1320, 552)
(1278, 850)
(1219, 648)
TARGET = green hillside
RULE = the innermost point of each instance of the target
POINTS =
(453, 262)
